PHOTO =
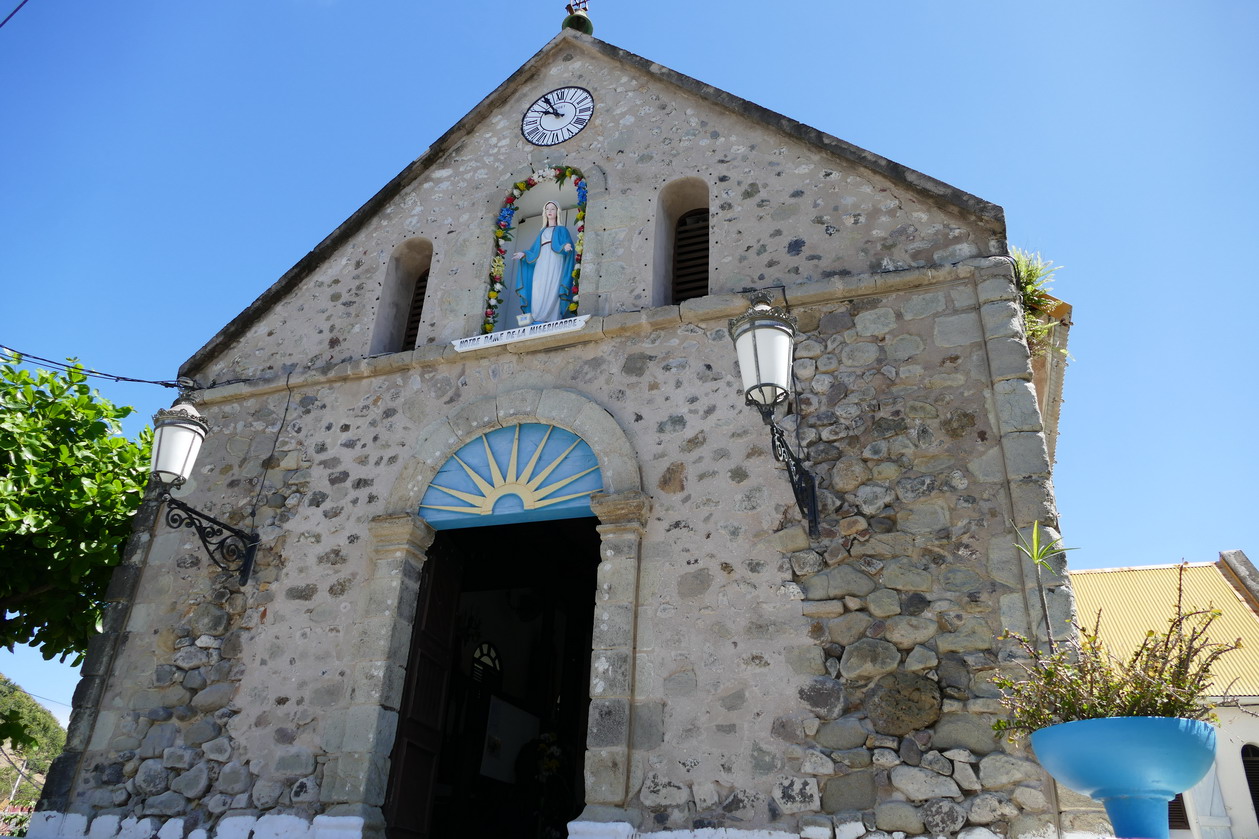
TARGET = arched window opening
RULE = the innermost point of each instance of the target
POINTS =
(401, 307)
(682, 234)
(1250, 765)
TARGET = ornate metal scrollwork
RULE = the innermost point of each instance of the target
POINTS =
(803, 484)
(228, 547)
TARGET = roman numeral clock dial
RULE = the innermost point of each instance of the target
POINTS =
(557, 116)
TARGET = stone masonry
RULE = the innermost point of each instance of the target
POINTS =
(743, 676)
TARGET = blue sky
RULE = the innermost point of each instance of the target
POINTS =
(162, 163)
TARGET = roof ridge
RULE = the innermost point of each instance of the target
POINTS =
(1160, 567)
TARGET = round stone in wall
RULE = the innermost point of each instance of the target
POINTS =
(941, 816)
(903, 702)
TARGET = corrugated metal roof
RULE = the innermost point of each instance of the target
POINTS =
(1136, 600)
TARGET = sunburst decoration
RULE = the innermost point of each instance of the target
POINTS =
(528, 472)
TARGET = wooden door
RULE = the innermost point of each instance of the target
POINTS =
(417, 747)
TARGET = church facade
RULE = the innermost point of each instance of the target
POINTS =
(527, 563)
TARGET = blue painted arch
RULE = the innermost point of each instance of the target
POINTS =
(519, 473)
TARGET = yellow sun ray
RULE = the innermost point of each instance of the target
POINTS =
(560, 484)
(472, 498)
(482, 484)
(538, 481)
(515, 454)
(450, 509)
(537, 453)
(495, 473)
(548, 502)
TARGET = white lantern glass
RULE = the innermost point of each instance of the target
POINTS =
(177, 436)
(764, 340)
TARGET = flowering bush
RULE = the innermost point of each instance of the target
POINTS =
(503, 234)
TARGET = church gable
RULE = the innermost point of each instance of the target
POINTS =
(514, 393)
(655, 154)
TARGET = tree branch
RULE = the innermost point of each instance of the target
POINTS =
(7, 604)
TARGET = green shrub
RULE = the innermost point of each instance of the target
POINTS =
(1168, 675)
(1033, 274)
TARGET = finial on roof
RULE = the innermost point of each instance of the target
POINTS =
(577, 18)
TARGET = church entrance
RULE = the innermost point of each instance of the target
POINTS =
(492, 729)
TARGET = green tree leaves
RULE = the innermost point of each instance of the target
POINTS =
(69, 484)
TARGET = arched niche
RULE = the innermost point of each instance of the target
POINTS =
(526, 226)
(682, 224)
(401, 303)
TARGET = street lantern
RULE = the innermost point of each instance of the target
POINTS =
(764, 342)
(178, 432)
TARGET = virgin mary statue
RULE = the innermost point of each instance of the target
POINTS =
(544, 278)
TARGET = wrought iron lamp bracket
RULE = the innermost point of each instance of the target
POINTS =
(228, 547)
(803, 483)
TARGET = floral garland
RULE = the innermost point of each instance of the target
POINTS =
(503, 234)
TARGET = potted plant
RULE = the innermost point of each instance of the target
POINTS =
(1132, 731)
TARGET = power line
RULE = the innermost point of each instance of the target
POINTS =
(12, 13)
(37, 696)
(48, 363)
(5, 681)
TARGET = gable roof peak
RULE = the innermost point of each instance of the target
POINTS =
(934, 190)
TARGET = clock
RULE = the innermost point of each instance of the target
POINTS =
(557, 116)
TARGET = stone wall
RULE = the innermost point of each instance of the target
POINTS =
(745, 677)
(776, 681)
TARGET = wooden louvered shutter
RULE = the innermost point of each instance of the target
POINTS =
(413, 314)
(1177, 817)
(690, 256)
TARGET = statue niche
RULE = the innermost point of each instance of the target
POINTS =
(539, 236)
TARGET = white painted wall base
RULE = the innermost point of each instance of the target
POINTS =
(622, 830)
(47, 825)
(600, 830)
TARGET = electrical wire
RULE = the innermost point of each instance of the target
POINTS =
(37, 696)
(12, 13)
(48, 363)
(30, 779)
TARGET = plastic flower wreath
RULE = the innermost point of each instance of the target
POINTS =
(503, 234)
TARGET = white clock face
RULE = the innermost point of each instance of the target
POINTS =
(557, 116)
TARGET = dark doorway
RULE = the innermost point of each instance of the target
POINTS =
(492, 730)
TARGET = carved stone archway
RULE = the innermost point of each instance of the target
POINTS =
(399, 541)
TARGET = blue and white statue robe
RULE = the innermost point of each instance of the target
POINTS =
(544, 276)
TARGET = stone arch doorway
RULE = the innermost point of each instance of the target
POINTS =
(405, 544)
